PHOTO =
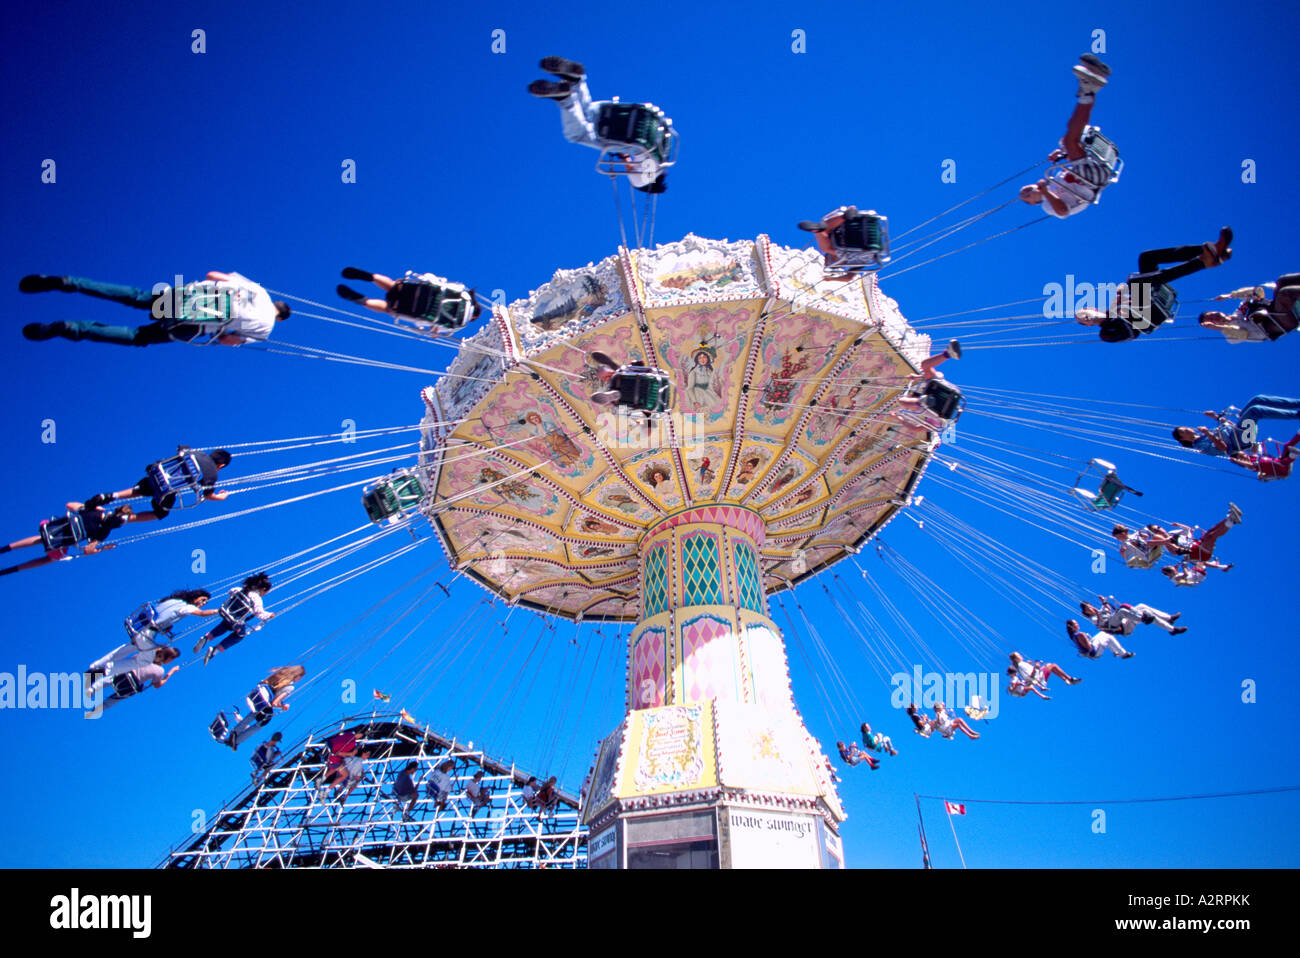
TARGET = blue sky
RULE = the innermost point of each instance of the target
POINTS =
(170, 162)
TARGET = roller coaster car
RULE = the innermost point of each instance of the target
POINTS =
(64, 532)
(142, 626)
(386, 500)
(1150, 304)
(636, 130)
(240, 614)
(861, 244)
(1109, 490)
(175, 477)
(941, 405)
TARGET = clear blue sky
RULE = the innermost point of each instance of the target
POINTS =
(170, 162)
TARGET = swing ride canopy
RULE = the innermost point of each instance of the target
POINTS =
(783, 381)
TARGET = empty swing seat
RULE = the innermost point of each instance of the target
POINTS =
(220, 728)
(63, 532)
(643, 388)
(1109, 490)
(390, 497)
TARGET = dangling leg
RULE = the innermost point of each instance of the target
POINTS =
(1051, 668)
(960, 723)
(929, 363)
(1104, 640)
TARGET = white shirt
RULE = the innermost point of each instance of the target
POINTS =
(440, 781)
(1192, 575)
(171, 611)
(252, 311)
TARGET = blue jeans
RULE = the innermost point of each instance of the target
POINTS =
(115, 292)
(1270, 407)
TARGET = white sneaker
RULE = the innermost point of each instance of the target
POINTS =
(1089, 82)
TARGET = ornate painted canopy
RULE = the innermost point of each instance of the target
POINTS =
(784, 387)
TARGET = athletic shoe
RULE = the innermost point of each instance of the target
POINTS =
(811, 226)
(1178, 631)
(1095, 65)
(1175, 617)
(562, 68)
(351, 272)
(607, 398)
(198, 646)
(1089, 81)
(37, 283)
(601, 359)
(39, 332)
(1128, 655)
(1234, 513)
(954, 350)
(351, 295)
(1074, 681)
(207, 656)
(550, 89)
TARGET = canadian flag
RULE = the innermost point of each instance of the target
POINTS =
(952, 808)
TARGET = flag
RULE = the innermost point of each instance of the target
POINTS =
(380, 696)
(953, 808)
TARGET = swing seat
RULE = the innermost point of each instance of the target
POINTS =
(259, 703)
(220, 728)
(1103, 150)
(861, 245)
(386, 500)
(942, 403)
(1159, 304)
(142, 626)
(126, 685)
(175, 477)
(239, 613)
(425, 304)
(643, 388)
(64, 532)
(1108, 492)
(641, 126)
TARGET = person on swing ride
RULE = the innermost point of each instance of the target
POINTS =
(209, 465)
(1200, 548)
(428, 299)
(919, 385)
(265, 756)
(263, 702)
(1233, 434)
(83, 526)
(852, 756)
(949, 724)
(581, 118)
(144, 676)
(1121, 619)
(1268, 468)
(230, 306)
(1258, 319)
(169, 610)
(924, 724)
(836, 247)
(877, 741)
(1074, 185)
(1141, 549)
(253, 589)
(1191, 574)
(1030, 675)
(1091, 646)
(1134, 309)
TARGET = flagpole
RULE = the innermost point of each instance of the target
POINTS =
(954, 833)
